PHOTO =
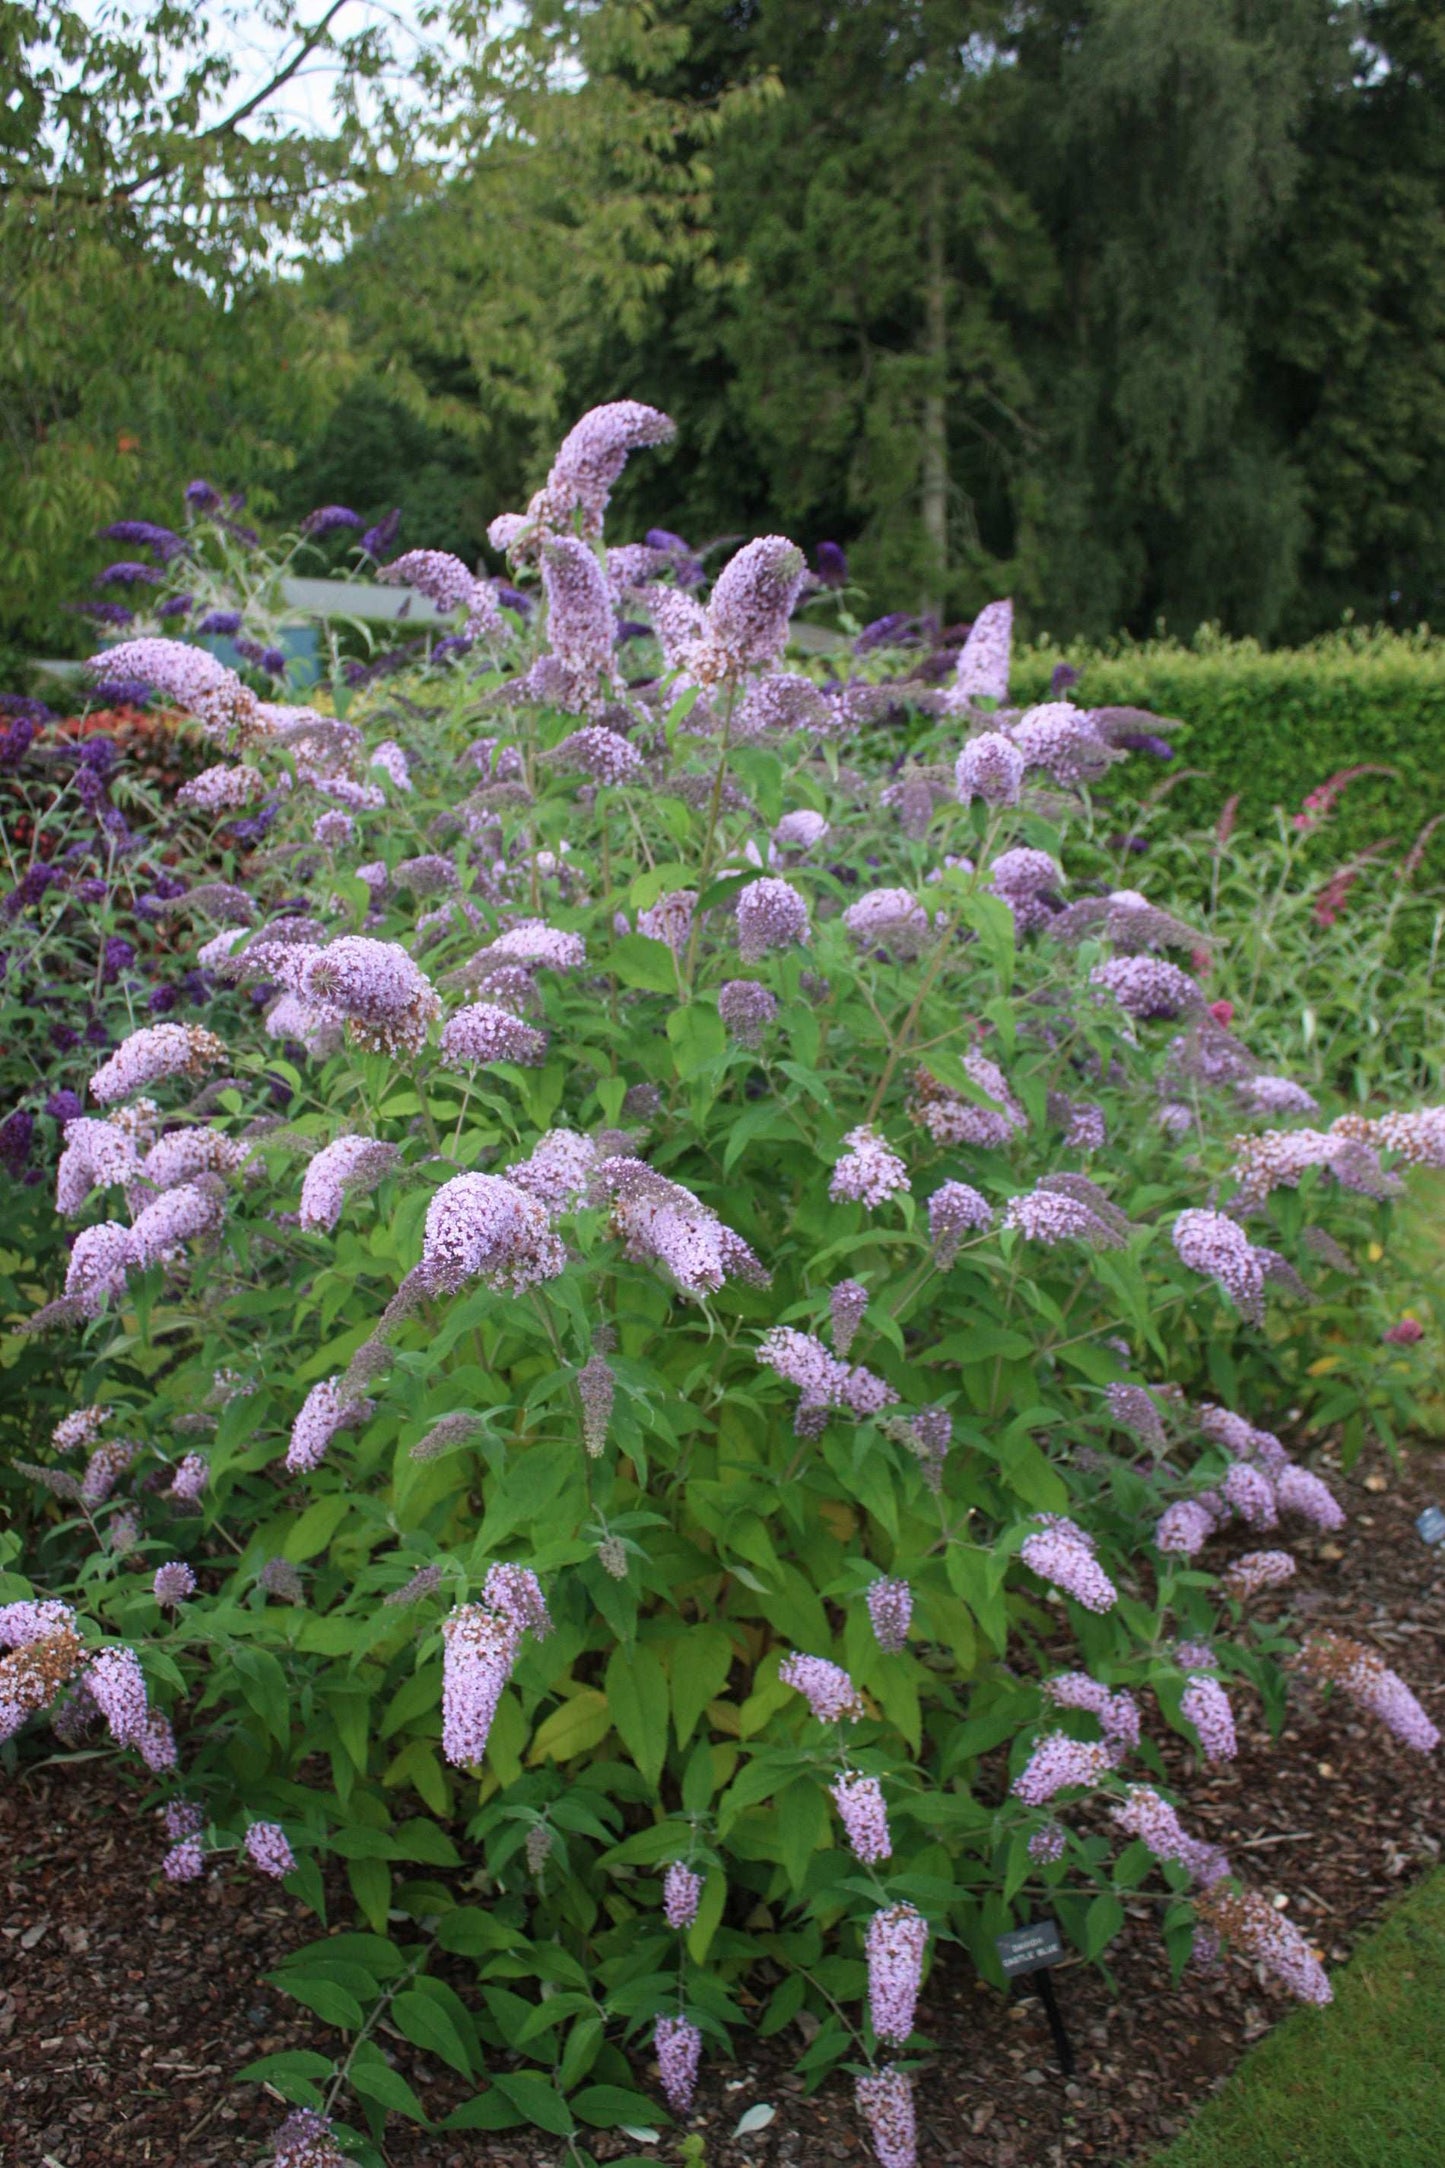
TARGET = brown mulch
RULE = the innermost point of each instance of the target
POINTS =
(126, 2004)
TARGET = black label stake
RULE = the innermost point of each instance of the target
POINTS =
(1030, 1952)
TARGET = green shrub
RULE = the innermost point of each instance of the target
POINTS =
(1271, 725)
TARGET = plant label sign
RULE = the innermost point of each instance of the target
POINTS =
(1430, 1526)
(1030, 1949)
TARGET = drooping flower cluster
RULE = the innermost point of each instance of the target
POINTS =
(269, 1850)
(896, 1941)
(890, 1609)
(1058, 1763)
(885, 2102)
(746, 1008)
(826, 1384)
(989, 1120)
(888, 919)
(1335, 1660)
(679, 2050)
(386, 1000)
(990, 767)
(1219, 1249)
(483, 1032)
(1117, 1712)
(825, 1686)
(348, 1166)
(304, 2140)
(1253, 1926)
(955, 1210)
(480, 1648)
(864, 1816)
(1060, 1551)
(681, 1893)
(1146, 987)
(153, 1053)
(322, 1414)
(1206, 1705)
(1067, 1208)
(662, 1223)
(482, 1226)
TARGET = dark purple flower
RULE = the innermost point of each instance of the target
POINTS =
(832, 564)
(274, 662)
(65, 1106)
(20, 704)
(147, 535)
(114, 822)
(221, 623)
(126, 572)
(161, 999)
(17, 1133)
(104, 613)
(64, 1038)
(89, 788)
(117, 956)
(1144, 741)
(1064, 676)
(201, 497)
(120, 693)
(91, 890)
(512, 598)
(177, 606)
(16, 741)
(101, 754)
(330, 519)
(897, 629)
(378, 540)
(30, 888)
(456, 643)
(96, 1034)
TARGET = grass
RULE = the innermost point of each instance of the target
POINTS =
(1358, 2085)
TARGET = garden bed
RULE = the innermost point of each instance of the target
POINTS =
(128, 2004)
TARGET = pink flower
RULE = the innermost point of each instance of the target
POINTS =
(173, 1583)
(1061, 1552)
(1206, 1705)
(1057, 1764)
(890, 1608)
(990, 767)
(348, 1166)
(870, 1172)
(481, 1226)
(98, 1260)
(480, 1650)
(955, 1210)
(896, 1941)
(679, 2048)
(268, 1850)
(847, 1304)
(859, 1801)
(983, 666)
(581, 627)
(770, 915)
(323, 1413)
(155, 1052)
(681, 1891)
(885, 2102)
(747, 615)
(485, 1033)
(1405, 1334)
(117, 1686)
(826, 1687)
(1219, 1249)
(1335, 1660)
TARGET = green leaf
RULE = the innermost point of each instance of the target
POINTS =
(700, 1666)
(373, 2077)
(606, 2106)
(471, 1932)
(263, 1683)
(370, 1881)
(638, 961)
(491, 2110)
(697, 1036)
(538, 2101)
(427, 2025)
(316, 1526)
(709, 1916)
(297, 2073)
(1102, 1922)
(336, 2004)
(580, 1724)
(637, 1699)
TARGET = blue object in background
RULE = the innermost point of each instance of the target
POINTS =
(300, 644)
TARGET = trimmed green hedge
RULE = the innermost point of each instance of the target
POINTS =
(1272, 724)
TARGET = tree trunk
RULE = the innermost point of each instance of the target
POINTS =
(935, 414)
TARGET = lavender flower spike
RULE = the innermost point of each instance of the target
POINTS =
(896, 1941)
(983, 667)
(268, 1850)
(681, 1892)
(885, 2102)
(481, 1648)
(864, 1816)
(679, 2049)
(827, 1688)
(890, 1608)
(869, 1172)
(1062, 1553)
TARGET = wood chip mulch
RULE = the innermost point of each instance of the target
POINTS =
(126, 2005)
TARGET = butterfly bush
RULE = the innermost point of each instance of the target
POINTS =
(609, 1448)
